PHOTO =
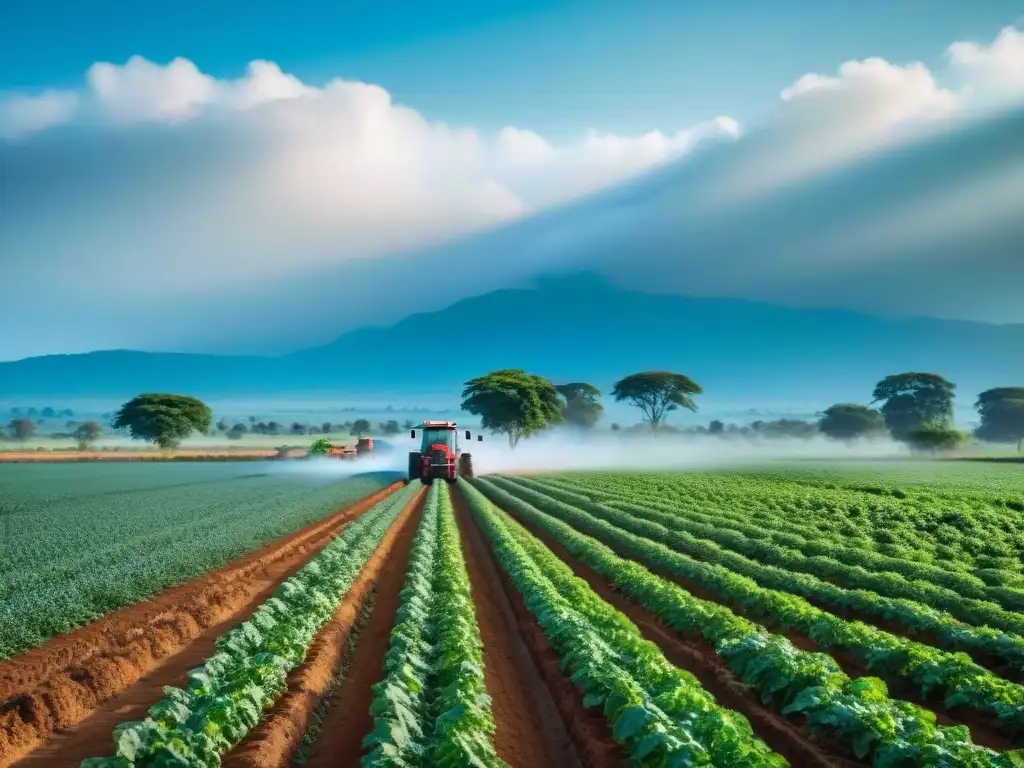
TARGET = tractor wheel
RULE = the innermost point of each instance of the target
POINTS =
(466, 466)
(415, 465)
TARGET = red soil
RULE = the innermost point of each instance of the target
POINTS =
(348, 720)
(698, 657)
(589, 731)
(529, 729)
(99, 675)
(281, 731)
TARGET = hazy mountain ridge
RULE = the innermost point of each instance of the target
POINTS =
(574, 327)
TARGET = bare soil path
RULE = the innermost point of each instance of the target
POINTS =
(529, 728)
(587, 729)
(348, 720)
(279, 734)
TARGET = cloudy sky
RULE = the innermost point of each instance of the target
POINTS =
(240, 180)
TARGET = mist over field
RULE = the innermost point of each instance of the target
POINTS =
(561, 450)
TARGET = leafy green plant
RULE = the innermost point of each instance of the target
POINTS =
(431, 708)
(963, 682)
(226, 696)
(84, 540)
(658, 712)
(947, 630)
(797, 682)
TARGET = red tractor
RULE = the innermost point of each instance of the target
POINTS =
(439, 455)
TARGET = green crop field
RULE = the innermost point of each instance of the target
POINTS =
(792, 613)
(80, 541)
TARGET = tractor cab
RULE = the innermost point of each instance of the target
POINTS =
(439, 455)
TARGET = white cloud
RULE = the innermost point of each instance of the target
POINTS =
(264, 176)
(21, 115)
(271, 175)
(990, 74)
(524, 147)
(142, 91)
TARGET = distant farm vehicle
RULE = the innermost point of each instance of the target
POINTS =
(439, 456)
(323, 447)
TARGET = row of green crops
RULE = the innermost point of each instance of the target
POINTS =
(812, 685)
(971, 601)
(432, 708)
(225, 697)
(962, 682)
(946, 630)
(659, 713)
(955, 532)
(67, 560)
(773, 527)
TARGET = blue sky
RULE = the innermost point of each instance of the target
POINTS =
(162, 184)
(557, 66)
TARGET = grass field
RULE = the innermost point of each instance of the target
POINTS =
(804, 614)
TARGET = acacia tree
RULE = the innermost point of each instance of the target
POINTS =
(912, 400)
(1002, 415)
(512, 402)
(163, 419)
(22, 428)
(656, 393)
(848, 421)
(87, 433)
(581, 407)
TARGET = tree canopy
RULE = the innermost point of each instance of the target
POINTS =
(912, 400)
(320, 447)
(360, 427)
(1002, 415)
(935, 437)
(656, 393)
(513, 402)
(87, 433)
(581, 408)
(22, 428)
(163, 419)
(848, 421)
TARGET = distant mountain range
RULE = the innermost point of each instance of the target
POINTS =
(571, 328)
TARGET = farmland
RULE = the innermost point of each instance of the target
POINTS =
(791, 614)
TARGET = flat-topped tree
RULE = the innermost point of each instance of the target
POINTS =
(87, 433)
(656, 393)
(163, 419)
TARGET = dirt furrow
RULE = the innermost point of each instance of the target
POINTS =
(280, 732)
(529, 728)
(698, 657)
(348, 720)
(587, 729)
(114, 669)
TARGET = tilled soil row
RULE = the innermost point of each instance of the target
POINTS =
(697, 656)
(529, 730)
(115, 668)
(280, 732)
(348, 719)
(569, 734)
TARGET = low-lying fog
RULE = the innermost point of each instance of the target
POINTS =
(563, 451)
